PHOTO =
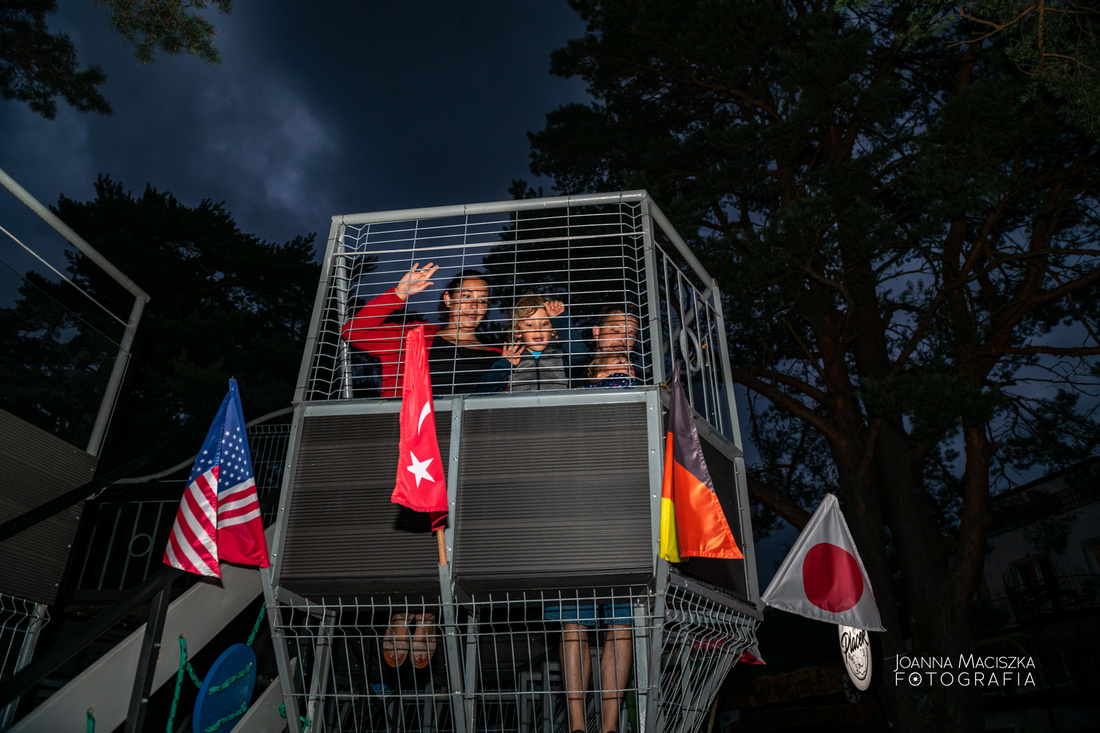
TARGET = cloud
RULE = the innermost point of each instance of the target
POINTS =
(66, 137)
(392, 108)
(270, 148)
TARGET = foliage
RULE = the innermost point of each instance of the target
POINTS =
(905, 231)
(37, 67)
(1051, 534)
(173, 26)
(224, 303)
(55, 368)
(1054, 42)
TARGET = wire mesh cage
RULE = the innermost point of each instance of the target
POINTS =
(552, 661)
(588, 258)
(631, 297)
(552, 326)
(19, 619)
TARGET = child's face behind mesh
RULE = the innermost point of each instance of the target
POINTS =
(535, 331)
(606, 366)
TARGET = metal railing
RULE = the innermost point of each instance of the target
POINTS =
(633, 298)
(19, 618)
(1025, 602)
(1056, 595)
(501, 661)
(63, 331)
(125, 530)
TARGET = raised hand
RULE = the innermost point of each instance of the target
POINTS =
(554, 308)
(415, 280)
(513, 352)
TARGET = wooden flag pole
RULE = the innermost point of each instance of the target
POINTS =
(442, 546)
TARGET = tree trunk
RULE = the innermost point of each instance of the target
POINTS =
(940, 620)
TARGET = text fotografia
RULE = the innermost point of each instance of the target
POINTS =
(967, 670)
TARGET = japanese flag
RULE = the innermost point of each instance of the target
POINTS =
(421, 485)
(822, 576)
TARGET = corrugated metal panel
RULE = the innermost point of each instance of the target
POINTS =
(553, 496)
(343, 535)
(35, 467)
(728, 575)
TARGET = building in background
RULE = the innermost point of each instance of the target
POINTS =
(1040, 598)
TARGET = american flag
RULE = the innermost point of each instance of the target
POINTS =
(219, 514)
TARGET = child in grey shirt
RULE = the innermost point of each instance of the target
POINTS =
(536, 360)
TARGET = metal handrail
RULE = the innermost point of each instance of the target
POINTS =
(191, 461)
(114, 383)
(59, 504)
(69, 646)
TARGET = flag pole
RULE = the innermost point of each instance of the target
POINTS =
(442, 546)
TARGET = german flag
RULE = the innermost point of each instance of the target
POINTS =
(692, 521)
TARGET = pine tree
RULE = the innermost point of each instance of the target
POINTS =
(904, 228)
(223, 303)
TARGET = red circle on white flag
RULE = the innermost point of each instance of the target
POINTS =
(831, 578)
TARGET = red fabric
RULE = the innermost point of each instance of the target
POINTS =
(701, 526)
(240, 528)
(421, 483)
(242, 544)
(386, 341)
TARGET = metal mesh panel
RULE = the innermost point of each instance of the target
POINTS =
(513, 661)
(585, 256)
(701, 640)
(551, 494)
(343, 683)
(19, 618)
(692, 332)
(530, 660)
(343, 533)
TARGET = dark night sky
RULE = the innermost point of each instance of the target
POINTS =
(317, 109)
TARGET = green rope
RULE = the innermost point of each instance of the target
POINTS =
(91, 720)
(194, 677)
(282, 714)
(229, 682)
(186, 665)
(219, 723)
(179, 685)
(256, 628)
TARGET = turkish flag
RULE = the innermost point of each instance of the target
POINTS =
(822, 576)
(421, 484)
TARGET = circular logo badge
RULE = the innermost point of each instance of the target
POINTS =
(858, 655)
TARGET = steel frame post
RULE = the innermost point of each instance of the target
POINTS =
(318, 310)
(340, 272)
(319, 680)
(468, 723)
(147, 660)
(653, 315)
(641, 641)
(283, 661)
(459, 710)
(653, 724)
